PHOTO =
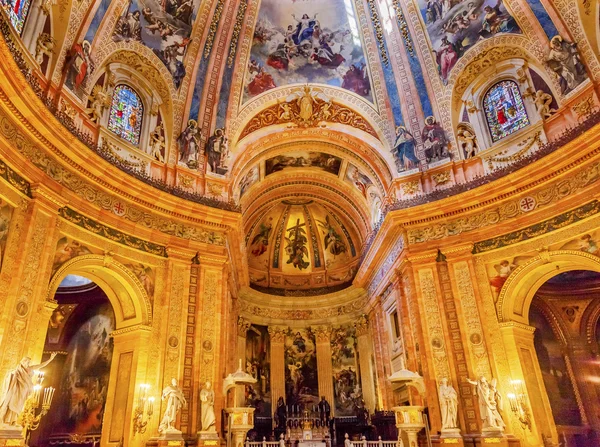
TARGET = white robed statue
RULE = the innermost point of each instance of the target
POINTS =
(448, 404)
(175, 401)
(490, 404)
(207, 397)
(17, 386)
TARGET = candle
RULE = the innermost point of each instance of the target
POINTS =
(150, 406)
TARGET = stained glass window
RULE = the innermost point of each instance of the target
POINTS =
(504, 110)
(126, 113)
(17, 11)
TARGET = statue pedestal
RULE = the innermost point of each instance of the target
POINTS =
(11, 435)
(171, 437)
(451, 436)
(493, 436)
(208, 439)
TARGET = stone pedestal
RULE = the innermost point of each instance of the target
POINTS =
(208, 439)
(171, 437)
(493, 438)
(11, 436)
(451, 436)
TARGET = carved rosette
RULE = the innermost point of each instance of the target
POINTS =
(361, 325)
(243, 326)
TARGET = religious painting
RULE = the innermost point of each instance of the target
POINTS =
(347, 393)
(504, 110)
(78, 67)
(586, 243)
(67, 249)
(260, 242)
(249, 179)
(564, 60)
(355, 177)
(559, 387)
(258, 357)
(499, 273)
(326, 162)
(163, 26)
(301, 380)
(454, 26)
(17, 11)
(296, 243)
(145, 275)
(309, 41)
(81, 393)
(5, 216)
(337, 251)
(58, 321)
(126, 114)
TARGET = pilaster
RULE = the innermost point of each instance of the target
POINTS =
(324, 367)
(364, 352)
(383, 396)
(277, 334)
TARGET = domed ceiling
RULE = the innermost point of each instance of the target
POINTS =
(301, 244)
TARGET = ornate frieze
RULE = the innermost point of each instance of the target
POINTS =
(15, 179)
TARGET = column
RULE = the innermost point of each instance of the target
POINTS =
(384, 398)
(364, 352)
(277, 334)
(127, 372)
(324, 367)
(242, 325)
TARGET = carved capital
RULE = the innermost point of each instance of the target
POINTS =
(361, 325)
(277, 334)
(322, 334)
(243, 326)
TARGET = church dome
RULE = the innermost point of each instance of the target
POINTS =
(303, 245)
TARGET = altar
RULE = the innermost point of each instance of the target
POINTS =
(312, 444)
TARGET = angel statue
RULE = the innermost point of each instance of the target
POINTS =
(17, 386)
(44, 46)
(99, 100)
(542, 102)
(175, 401)
(490, 404)
(157, 143)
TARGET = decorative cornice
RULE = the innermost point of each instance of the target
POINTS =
(14, 179)
(243, 326)
(538, 229)
(142, 328)
(112, 234)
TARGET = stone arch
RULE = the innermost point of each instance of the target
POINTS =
(519, 289)
(126, 294)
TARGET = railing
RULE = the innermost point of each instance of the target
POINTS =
(362, 443)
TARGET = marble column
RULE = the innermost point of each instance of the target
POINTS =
(277, 335)
(364, 352)
(242, 329)
(324, 367)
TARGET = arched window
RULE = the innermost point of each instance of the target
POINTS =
(126, 114)
(504, 110)
(17, 11)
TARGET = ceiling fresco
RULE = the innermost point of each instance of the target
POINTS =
(309, 41)
(319, 160)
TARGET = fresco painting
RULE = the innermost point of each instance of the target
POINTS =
(337, 253)
(145, 275)
(297, 255)
(454, 26)
(357, 178)
(5, 216)
(309, 41)
(258, 355)
(326, 162)
(67, 249)
(249, 179)
(301, 380)
(347, 393)
(163, 26)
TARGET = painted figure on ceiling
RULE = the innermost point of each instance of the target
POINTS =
(217, 151)
(446, 57)
(296, 246)
(356, 80)
(332, 240)
(260, 242)
(78, 66)
(128, 28)
(260, 80)
(434, 140)
(188, 144)
(564, 60)
(404, 150)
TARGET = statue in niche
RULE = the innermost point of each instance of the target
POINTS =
(157, 143)
(99, 100)
(564, 60)
(217, 152)
(542, 102)
(175, 402)
(324, 410)
(44, 46)
(448, 404)
(18, 385)
(490, 404)
(467, 140)
(207, 397)
(189, 144)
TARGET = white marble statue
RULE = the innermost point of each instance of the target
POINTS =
(207, 397)
(175, 401)
(490, 404)
(18, 385)
(448, 404)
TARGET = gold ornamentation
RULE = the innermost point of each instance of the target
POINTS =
(410, 187)
(44, 46)
(584, 107)
(309, 108)
(322, 334)
(237, 27)
(111, 233)
(378, 32)
(361, 325)
(14, 179)
(99, 101)
(441, 178)
(587, 6)
(243, 326)
(212, 29)
(110, 150)
(403, 27)
(67, 109)
(185, 181)
(277, 334)
(525, 146)
(471, 106)
(215, 189)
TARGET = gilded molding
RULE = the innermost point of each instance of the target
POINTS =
(538, 229)
(237, 28)
(403, 27)
(322, 334)
(378, 32)
(142, 328)
(14, 179)
(212, 30)
(243, 325)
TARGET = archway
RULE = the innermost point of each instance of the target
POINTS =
(543, 348)
(122, 307)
